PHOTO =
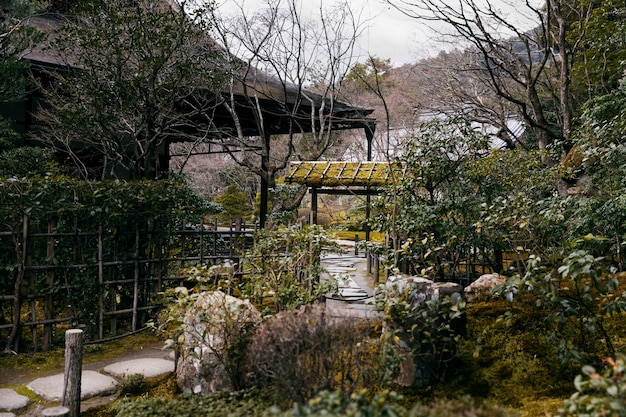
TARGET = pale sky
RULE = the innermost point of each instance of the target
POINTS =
(388, 34)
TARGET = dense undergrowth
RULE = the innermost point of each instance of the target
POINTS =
(508, 367)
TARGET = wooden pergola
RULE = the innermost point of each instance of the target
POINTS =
(343, 178)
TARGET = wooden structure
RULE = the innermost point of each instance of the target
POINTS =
(112, 274)
(343, 178)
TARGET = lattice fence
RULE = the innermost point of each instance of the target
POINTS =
(105, 281)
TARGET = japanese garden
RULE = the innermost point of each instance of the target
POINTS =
(180, 177)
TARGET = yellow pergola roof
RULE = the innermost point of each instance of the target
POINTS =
(333, 174)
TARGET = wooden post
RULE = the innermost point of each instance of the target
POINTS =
(73, 371)
(136, 282)
(356, 245)
(56, 412)
(50, 275)
(313, 205)
(101, 284)
(376, 269)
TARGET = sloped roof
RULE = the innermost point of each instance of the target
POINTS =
(281, 103)
(333, 173)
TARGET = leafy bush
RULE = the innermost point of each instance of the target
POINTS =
(301, 352)
(134, 384)
(133, 218)
(599, 393)
(578, 297)
(249, 404)
(283, 268)
(430, 328)
(390, 404)
(20, 162)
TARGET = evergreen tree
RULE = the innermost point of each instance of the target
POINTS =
(141, 75)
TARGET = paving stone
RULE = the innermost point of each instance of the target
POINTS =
(148, 367)
(92, 384)
(12, 401)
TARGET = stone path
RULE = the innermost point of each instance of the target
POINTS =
(98, 386)
(356, 286)
(101, 385)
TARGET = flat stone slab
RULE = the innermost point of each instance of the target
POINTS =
(148, 367)
(12, 401)
(352, 293)
(6, 414)
(93, 384)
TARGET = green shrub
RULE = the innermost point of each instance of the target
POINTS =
(599, 393)
(578, 298)
(283, 268)
(390, 404)
(134, 384)
(249, 404)
(431, 328)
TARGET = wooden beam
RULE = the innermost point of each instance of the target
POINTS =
(334, 191)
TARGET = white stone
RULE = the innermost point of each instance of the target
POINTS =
(93, 384)
(12, 401)
(148, 367)
(483, 286)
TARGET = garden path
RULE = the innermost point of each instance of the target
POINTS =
(100, 380)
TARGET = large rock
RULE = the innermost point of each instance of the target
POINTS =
(483, 286)
(214, 326)
(422, 288)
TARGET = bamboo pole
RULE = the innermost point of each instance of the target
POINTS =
(136, 282)
(50, 274)
(101, 286)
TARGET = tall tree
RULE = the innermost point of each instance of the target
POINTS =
(522, 54)
(293, 64)
(598, 65)
(15, 39)
(140, 75)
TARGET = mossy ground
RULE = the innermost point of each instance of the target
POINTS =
(510, 362)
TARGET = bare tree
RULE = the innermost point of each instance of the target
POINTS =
(517, 53)
(284, 99)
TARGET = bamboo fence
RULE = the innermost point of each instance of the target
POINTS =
(104, 281)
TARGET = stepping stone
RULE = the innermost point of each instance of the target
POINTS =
(12, 401)
(148, 367)
(6, 414)
(93, 384)
(352, 292)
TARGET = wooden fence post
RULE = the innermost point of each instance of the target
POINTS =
(48, 328)
(73, 371)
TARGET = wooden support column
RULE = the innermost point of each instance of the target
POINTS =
(369, 134)
(313, 205)
(265, 167)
